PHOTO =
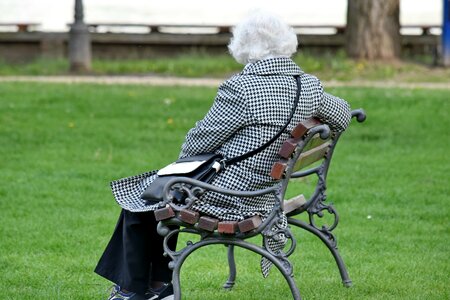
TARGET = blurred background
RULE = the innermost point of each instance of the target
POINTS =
(33, 31)
(55, 15)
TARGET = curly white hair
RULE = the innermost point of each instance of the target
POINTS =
(262, 35)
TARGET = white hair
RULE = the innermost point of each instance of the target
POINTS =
(262, 35)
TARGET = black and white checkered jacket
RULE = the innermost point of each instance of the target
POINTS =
(249, 109)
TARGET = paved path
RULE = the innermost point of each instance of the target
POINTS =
(161, 80)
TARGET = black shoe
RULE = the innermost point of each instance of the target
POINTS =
(163, 293)
(118, 294)
(167, 293)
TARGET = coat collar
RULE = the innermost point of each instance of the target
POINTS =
(273, 66)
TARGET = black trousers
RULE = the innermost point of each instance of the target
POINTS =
(134, 255)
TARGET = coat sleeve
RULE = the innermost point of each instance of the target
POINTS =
(223, 120)
(333, 111)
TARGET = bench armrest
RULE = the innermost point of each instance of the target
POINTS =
(360, 115)
(194, 188)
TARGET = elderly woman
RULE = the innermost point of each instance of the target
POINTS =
(249, 109)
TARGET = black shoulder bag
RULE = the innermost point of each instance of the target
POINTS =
(204, 167)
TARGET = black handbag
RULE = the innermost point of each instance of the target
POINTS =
(203, 167)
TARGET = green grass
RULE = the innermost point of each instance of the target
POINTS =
(62, 144)
(327, 66)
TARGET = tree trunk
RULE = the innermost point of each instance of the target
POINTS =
(373, 29)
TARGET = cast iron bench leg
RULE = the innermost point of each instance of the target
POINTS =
(232, 266)
(332, 247)
(183, 254)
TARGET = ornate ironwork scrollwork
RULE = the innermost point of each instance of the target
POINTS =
(277, 231)
(173, 254)
(319, 206)
(190, 193)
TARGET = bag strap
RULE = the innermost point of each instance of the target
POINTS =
(235, 160)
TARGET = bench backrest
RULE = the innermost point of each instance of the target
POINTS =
(310, 142)
(311, 145)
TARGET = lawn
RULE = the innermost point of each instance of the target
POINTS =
(62, 144)
(327, 66)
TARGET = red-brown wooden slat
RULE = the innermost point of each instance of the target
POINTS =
(208, 223)
(304, 126)
(249, 224)
(188, 216)
(227, 227)
(278, 169)
(288, 147)
(164, 213)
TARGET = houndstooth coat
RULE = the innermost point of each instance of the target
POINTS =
(249, 109)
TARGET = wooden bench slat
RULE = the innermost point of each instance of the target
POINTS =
(304, 126)
(249, 224)
(208, 223)
(315, 141)
(293, 203)
(311, 156)
(288, 147)
(227, 227)
(164, 213)
(278, 169)
(189, 216)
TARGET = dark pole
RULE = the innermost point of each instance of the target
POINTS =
(79, 42)
(446, 35)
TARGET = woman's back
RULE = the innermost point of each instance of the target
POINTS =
(250, 108)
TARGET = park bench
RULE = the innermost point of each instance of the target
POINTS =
(307, 152)
(161, 28)
(318, 29)
(198, 28)
(19, 27)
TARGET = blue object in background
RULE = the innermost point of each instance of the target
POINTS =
(446, 34)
